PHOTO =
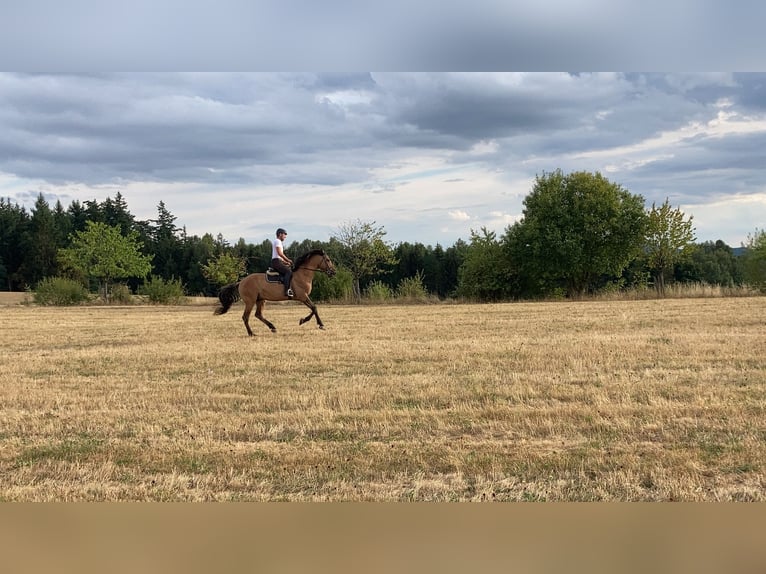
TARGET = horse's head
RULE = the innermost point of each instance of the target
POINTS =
(326, 265)
(316, 260)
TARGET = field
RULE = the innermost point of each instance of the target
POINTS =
(563, 401)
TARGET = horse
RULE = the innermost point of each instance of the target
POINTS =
(256, 289)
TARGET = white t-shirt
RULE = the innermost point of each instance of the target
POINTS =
(274, 244)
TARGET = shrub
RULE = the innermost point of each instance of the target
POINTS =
(337, 288)
(162, 292)
(378, 292)
(412, 288)
(60, 291)
(120, 293)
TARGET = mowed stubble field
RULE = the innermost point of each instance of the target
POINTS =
(564, 401)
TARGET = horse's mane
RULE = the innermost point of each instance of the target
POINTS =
(306, 256)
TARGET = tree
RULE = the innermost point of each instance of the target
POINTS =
(102, 253)
(78, 216)
(754, 260)
(362, 250)
(116, 212)
(42, 245)
(165, 244)
(14, 233)
(576, 230)
(486, 273)
(197, 250)
(224, 269)
(450, 268)
(711, 262)
(62, 223)
(669, 239)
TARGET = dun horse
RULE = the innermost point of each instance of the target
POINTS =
(255, 290)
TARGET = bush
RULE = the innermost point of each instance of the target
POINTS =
(412, 288)
(337, 288)
(378, 292)
(162, 292)
(60, 291)
(120, 293)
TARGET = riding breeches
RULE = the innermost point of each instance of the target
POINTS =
(284, 270)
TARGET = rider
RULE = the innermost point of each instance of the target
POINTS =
(282, 262)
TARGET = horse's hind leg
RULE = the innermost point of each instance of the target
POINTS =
(310, 304)
(259, 314)
(246, 318)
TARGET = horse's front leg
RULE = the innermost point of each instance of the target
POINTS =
(310, 304)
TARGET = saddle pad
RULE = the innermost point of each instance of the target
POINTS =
(273, 276)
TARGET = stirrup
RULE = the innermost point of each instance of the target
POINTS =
(290, 293)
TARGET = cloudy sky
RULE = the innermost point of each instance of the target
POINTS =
(429, 156)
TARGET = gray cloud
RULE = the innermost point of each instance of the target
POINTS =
(342, 133)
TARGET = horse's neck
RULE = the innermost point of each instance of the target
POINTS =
(308, 268)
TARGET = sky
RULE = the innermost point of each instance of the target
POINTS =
(427, 156)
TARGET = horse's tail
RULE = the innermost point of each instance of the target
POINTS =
(228, 295)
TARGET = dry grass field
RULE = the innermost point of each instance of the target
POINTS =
(569, 401)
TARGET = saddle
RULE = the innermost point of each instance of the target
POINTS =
(273, 276)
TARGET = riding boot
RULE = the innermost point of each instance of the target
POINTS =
(288, 278)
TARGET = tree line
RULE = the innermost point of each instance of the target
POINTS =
(579, 234)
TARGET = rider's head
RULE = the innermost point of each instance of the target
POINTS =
(280, 231)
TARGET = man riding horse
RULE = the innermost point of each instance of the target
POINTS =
(281, 262)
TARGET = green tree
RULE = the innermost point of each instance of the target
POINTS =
(102, 253)
(710, 262)
(486, 273)
(669, 240)
(78, 216)
(14, 233)
(165, 244)
(115, 212)
(450, 268)
(224, 269)
(197, 251)
(577, 231)
(754, 260)
(62, 223)
(42, 244)
(361, 248)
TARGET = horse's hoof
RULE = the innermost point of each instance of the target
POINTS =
(273, 330)
(321, 327)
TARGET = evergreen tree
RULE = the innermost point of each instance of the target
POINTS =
(42, 243)
(93, 211)
(77, 216)
(165, 244)
(14, 231)
(452, 262)
(196, 252)
(62, 223)
(115, 212)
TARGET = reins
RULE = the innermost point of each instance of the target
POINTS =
(303, 266)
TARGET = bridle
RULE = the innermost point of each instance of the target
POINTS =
(326, 265)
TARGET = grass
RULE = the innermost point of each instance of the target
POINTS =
(651, 400)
